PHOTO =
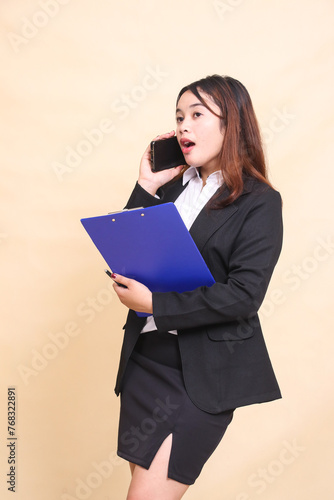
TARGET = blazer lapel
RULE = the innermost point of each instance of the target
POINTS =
(208, 221)
(172, 191)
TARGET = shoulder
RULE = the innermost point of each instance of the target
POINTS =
(255, 190)
(259, 202)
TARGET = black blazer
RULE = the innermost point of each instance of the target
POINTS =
(224, 357)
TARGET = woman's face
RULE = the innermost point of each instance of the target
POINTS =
(199, 131)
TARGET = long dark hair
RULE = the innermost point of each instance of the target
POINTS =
(242, 153)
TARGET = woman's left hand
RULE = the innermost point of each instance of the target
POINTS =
(136, 296)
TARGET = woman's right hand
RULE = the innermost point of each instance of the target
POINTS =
(151, 181)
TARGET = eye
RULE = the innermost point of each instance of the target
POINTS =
(197, 114)
(179, 119)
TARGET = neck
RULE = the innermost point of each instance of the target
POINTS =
(204, 173)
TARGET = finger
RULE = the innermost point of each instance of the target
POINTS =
(147, 152)
(177, 170)
(164, 136)
(121, 280)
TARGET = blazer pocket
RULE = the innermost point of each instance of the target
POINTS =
(236, 330)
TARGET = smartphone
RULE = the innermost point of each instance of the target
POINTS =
(166, 153)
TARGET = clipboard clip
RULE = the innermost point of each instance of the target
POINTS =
(125, 210)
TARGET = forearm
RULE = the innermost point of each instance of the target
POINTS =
(141, 198)
(220, 303)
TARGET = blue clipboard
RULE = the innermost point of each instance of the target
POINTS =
(151, 245)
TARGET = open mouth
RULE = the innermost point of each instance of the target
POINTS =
(186, 145)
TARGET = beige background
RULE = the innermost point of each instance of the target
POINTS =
(68, 67)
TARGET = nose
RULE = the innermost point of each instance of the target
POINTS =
(184, 126)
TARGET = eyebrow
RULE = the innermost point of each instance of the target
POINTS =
(178, 110)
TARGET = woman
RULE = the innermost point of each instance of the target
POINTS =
(200, 354)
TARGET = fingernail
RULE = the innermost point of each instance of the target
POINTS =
(113, 275)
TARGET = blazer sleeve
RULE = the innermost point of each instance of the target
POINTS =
(254, 253)
(141, 198)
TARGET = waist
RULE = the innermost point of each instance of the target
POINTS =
(161, 347)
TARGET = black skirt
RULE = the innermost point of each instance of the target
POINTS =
(154, 404)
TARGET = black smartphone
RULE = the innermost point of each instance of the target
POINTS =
(166, 153)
